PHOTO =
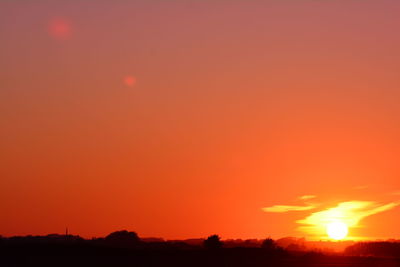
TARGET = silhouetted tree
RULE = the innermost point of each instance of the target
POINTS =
(268, 244)
(213, 242)
(122, 238)
(381, 249)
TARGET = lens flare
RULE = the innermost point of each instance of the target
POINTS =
(130, 81)
(60, 29)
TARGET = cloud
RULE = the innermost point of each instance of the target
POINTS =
(285, 208)
(350, 213)
(306, 197)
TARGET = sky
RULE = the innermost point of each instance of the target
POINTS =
(181, 119)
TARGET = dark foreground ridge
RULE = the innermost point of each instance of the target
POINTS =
(123, 248)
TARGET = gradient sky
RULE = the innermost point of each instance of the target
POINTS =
(182, 119)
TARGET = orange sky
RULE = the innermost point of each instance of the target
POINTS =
(182, 119)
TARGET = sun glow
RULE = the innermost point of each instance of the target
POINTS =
(337, 230)
(336, 221)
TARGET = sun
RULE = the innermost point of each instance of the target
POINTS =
(337, 230)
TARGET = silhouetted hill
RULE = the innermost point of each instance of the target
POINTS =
(123, 248)
(152, 239)
(379, 249)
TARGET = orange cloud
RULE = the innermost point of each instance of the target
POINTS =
(285, 208)
(350, 213)
(307, 197)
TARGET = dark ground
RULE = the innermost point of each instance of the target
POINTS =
(93, 255)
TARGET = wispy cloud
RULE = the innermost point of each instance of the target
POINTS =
(306, 197)
(285, 208)
(351, 213)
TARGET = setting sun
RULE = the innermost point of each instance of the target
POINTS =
(337, 230)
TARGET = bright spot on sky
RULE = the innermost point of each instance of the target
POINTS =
(337, 230)
(60, 29)
(130, 81)
(335, 221)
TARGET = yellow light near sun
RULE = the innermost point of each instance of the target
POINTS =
(337, 230)
(335, 222)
